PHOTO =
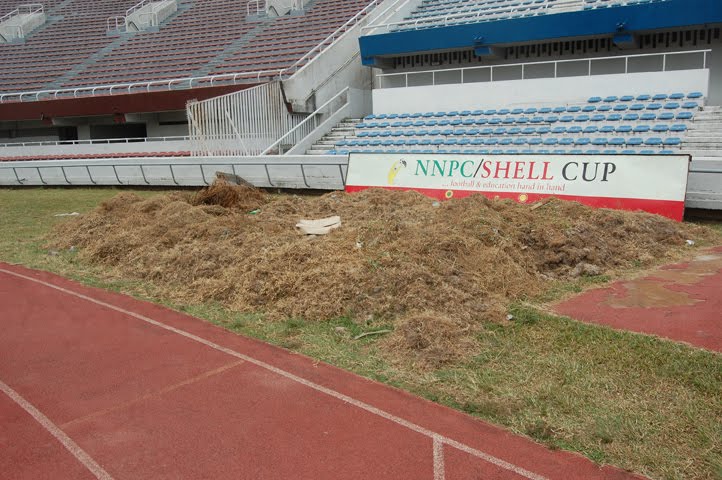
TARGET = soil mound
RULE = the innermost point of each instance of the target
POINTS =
(433, 270)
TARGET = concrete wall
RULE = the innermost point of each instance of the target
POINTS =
(536, 91)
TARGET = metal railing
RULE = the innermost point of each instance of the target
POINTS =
(192, 82)
(258, 4)
(116, 24)
(101, 141)
(465, 77)
(388, 12)
(26, 9)
(240, 123)
(308, 125)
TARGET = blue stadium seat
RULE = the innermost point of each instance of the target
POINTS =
(626, 98)
(636, 107)
(653, 141)
(659, 97)
(643, 98)
(623, 129)
(684, 116)
(678, 128)
(695, 95)
(589, 108)
(690, 105)
(641, 129)
(677, 96)
(654, 106)
(599, 141)
(660, 128)
(672, 141)
(595, 99)
(611, 99)
(574, 109)
(634, 141)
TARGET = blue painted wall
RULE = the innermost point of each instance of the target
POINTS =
(671, 14)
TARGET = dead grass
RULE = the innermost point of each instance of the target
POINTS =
(399, 257)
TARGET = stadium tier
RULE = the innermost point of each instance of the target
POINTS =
(432, 13)
(647, 124)
(75, 49)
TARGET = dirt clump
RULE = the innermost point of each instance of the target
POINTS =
(435, 272)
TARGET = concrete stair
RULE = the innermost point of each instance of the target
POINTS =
(704, 138)
(345, 129)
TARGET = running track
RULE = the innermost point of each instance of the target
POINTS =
(99, 385)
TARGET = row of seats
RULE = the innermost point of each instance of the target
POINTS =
(519, 127)
(431, 13)
(519, 141)
(543, 130)
(519, 120)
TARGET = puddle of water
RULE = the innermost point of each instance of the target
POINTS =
(652, 291)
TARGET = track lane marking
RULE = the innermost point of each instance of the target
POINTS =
(154, 394)
(59, 435)
(434, 436)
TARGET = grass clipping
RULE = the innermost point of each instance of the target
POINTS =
(436, 272)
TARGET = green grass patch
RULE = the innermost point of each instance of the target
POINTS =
(641, 403)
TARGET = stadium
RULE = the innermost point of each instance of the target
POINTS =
(504, 214)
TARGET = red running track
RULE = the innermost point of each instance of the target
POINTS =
(98, 385)
(681, 302)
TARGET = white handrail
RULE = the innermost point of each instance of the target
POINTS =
(395, 6)
(310, 117)
(26, 9)
(232, 78)
(626, 58)
(99, 141)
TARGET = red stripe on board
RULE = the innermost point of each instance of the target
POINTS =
(667, 208)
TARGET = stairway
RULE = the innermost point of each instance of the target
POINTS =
(345, 129)
(704, 138)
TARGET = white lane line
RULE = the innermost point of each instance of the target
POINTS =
(320, 388)
(439, 468)
(66, 441)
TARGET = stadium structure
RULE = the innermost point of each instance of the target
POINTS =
(279, 92)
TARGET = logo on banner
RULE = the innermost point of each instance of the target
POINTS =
(395, 169)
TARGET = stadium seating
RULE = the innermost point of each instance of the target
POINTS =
(612, 125)
(432, 13)
(24, 158)
(206, 37)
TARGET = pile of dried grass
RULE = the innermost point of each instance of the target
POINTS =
(398, 257)
(224, 194)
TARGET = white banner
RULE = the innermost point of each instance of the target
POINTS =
(655, 183)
